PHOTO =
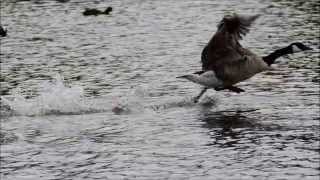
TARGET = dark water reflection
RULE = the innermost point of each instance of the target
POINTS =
(234, 126)
(255, 141)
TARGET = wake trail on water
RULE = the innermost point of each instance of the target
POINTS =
(56, 98)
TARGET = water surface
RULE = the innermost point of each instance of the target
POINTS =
(97, 97)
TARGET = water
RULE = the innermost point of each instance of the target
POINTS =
(97, 98)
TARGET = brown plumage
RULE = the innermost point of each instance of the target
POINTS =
(225, 55)
(228, 62)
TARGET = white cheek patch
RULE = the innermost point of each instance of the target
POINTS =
(296, 49)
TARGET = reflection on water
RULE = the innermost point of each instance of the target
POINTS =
(254, 141)
(228, 120)
(229, 127)
(116, 110)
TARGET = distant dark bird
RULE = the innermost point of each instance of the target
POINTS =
(3, 31)
(95, 12)
(225, 62)
(62, 1)
(89, 12)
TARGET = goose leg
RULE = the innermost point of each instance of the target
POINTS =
(196, 99)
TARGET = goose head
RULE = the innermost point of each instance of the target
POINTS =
(108, 10)
(298, 47)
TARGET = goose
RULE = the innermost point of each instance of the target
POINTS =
(96, 12)
(225, 62)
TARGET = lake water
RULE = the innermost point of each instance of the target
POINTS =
(97, 97)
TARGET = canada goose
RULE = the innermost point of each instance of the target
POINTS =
(225, 62)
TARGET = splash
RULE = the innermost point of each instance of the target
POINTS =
(55, 98)
(179, 102)
(133, 102)
(140, 100)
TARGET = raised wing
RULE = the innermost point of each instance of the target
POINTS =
(224, 49)
(237, 25)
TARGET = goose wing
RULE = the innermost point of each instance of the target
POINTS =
(224, 50)
(235, 24)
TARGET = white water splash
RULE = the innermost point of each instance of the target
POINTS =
(55, 98)
(179, 102)
(138, 100)
(133, 102)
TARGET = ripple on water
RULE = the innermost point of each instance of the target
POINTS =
(116, 110)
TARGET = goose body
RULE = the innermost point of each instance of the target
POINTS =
(96, 12)
(229, 62)
(242, 69)
(226, 56)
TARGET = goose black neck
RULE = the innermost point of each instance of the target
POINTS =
(276, 54)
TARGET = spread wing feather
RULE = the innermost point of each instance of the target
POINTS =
(224, 54)
(237, 24)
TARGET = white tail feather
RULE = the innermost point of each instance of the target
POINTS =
(207, 79)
